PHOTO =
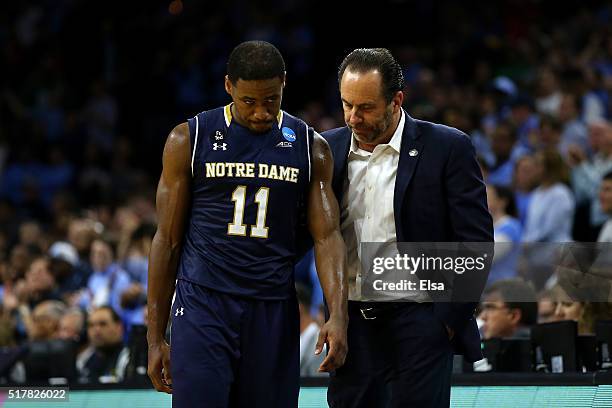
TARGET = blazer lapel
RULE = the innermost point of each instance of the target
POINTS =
(410, 153)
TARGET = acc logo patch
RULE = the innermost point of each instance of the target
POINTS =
(288, 134)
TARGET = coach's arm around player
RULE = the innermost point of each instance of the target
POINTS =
(173, 202)
(330, 255)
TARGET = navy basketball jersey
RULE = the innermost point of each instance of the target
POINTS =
(248, 191)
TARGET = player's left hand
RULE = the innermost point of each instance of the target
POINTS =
(333, 333)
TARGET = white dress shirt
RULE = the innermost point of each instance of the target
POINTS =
(366, 211)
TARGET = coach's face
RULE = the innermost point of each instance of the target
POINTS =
(366, 111)
(256, 103)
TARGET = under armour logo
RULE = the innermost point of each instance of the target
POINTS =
(217, 146)
(179, 311)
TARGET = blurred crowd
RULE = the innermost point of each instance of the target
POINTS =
(90, 91)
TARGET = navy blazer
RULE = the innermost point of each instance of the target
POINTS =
(439, 196)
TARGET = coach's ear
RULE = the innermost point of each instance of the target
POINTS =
(228, 85)
(397, 101)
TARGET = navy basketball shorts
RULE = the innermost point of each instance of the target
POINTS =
(228, 351)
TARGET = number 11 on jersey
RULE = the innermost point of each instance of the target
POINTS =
(236, 227)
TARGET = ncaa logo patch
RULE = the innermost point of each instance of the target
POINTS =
(288, 134)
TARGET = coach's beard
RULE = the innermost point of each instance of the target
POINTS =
(376, 133)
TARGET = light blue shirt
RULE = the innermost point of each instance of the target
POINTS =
(550, 215)
(507, 233)
(104, 292)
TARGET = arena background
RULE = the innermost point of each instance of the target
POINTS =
(90, 90)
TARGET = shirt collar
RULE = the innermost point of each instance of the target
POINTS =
(395, 143)
(227, 114)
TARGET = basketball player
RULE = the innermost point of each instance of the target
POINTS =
(235, 180)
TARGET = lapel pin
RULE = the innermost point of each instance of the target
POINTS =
(413, 152)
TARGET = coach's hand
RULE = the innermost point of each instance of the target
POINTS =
(159, 367)
(333, 333)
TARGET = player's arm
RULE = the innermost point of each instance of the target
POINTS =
(173, 202)
(330, 254)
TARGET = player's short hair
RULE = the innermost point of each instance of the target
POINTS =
(255, 60)
(367, 59)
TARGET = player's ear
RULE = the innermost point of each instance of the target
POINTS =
(228, 85)
(284, 78)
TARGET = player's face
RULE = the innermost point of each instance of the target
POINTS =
(257, 102)
(366, 111)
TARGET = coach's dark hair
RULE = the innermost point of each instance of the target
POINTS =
(255, 60)
(517, 294)
(366, 59)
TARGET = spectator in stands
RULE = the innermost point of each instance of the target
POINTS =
(19, 261)
(81, 233)
(587, 174)
(525, 181)
(546, 306)
(108, 280)
(551, 210)
(72, 325)
(136, 263)
(66, 269)
(573, 305)
(106, 357)
(40, 283)
(605, 200)
(524, 119)
(43, 324)
(549, 135)
(509, 309)
(505, 149)
(574, 130)
(549, 96)
(507, 230)
(309, 333)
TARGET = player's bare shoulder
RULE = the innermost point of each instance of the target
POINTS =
(322, 159)
(177, 148)
(178, 137)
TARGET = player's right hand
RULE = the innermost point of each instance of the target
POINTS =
(159, 367)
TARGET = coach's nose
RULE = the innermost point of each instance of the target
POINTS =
(353, 117)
